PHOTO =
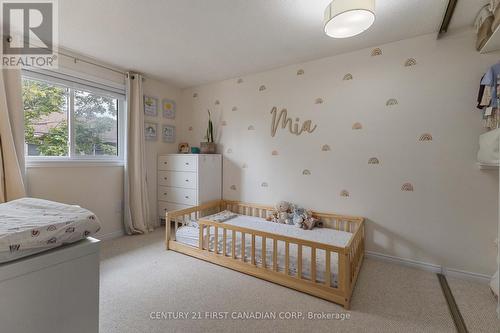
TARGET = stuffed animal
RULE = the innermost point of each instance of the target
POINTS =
(310, 222)
(287, 213)
(282, 213)
(298, 216)
(303, 218)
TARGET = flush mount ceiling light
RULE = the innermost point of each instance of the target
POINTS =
(347, 18)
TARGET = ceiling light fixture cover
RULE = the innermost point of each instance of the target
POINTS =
(347, 18)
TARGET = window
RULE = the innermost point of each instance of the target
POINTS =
(67, 120)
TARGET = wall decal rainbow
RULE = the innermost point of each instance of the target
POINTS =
(251, 128)
(391, 102)
(373, 160)
(264, 184)
(345, 194)
(300, 72)
(426, 137)
(407, 187)
(326, 148)
(318, 101)
(410, 62)
(233, 187)
(306, 172)
(357, 126)
(262, 88)
(348, 77)
(376, 52)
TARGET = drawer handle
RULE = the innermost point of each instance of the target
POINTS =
(165, 178)
(164, 162)
(165, 193)
(187, 163)
(187, 180)
(187, 197)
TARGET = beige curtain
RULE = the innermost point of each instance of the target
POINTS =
(11, 136)
(137, 216)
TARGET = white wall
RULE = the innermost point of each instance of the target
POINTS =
(153, 148)
(100, 188)
(449, 219)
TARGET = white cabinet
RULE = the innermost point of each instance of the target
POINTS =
(187, 180)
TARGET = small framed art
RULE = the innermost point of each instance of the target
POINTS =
(150, 131)
(169, 108)
(184, 148)
(150, 106)
(168, 133)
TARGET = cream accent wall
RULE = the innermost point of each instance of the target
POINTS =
(100, 188)
(450, 217)
(155, 148)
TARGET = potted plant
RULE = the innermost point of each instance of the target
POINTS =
(209, 146)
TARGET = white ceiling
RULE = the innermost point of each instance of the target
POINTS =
(191, 42)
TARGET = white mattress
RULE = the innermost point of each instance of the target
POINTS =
(29, 226)
(189, 235)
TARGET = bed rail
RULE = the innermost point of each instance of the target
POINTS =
(223, 250)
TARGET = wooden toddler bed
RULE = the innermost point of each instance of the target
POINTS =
(331, 277)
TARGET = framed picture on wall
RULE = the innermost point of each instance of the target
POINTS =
(150, 106)
(169, 108)
(151, 131)
(168, 133)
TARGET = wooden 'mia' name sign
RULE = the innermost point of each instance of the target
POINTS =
(285, 121)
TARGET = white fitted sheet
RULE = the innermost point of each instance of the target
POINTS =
(29, 226)
(189, 235)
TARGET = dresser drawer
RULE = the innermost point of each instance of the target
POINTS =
(164, 207)
(178, 179)
(178, 163)
(177, 195)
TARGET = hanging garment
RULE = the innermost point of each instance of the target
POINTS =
(490, 79)
(485, 98)
(491, 118)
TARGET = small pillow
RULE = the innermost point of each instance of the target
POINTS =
(221, 216)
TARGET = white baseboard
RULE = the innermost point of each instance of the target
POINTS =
(482, 278)
(111, 235)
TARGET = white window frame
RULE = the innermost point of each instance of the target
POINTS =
(72, 82)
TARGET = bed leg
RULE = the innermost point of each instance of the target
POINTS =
(167, 233)
(347, 304)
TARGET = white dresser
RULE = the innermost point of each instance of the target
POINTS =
(187, 180)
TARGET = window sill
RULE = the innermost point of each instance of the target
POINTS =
(35, 163)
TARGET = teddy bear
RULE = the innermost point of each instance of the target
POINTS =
(282, 213)
(311, 222)
(302, 218)
(298, 215)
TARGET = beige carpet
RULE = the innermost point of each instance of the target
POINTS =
(477, 305)
(139, 277)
